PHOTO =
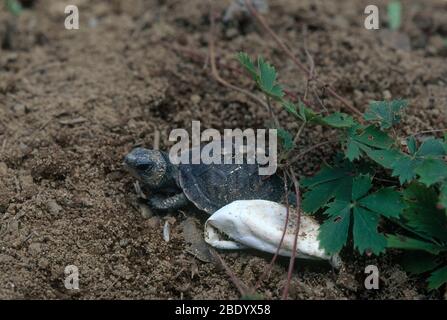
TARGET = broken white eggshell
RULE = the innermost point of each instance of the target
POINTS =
(259, 224)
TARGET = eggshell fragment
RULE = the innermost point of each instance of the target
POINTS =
(259, 224)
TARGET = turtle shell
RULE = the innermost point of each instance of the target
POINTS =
(212, 186)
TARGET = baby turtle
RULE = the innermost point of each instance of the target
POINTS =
(208, 186)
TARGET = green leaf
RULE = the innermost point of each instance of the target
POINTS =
(373, 137)
(386, 158)
(248, 64)
(406, 167)
(361, 185)
(422, 216)
(318, 197)
(443, 196)
(437, 278)
(286, 139)
(325, 185)
(334, 231)
(338, 120)
(387, 202)
(432, 147)
(431, 171)
(348, 187)
(411, 143)
(366, 237)
(327, 174)
(267, 79)
(394, 15)
(291, 108)
(417, 262)
(14, 7)
(401, 242)
(362, 139)
(353, 151)
(386, 113)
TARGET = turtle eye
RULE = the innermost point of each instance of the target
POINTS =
(144, 166)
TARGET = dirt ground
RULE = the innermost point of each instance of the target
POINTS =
(73, 103)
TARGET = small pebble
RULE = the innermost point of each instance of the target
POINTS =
(19, 109)
(53, 207)
(153, 222)
(3, 168)
(43, 263)
(387, 95)
(166, 232)
(35, 248)
(195, 98)
(146, 212)
(124, 242)
(4, 258)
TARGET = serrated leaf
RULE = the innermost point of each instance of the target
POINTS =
(291, 108)
(334, 232)
(431, 171)
(304, 111)
(365, 234)
(277, 91)
(353, 151)
(248, 64)
(286, 139)
(406, 167)
(386, 202)
(267, 79)
(386, 113)
(418, 262)
(437, 278)
(361, 139)
(345, 185)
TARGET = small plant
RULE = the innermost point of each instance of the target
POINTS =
(349, 192)
(394, 10)
(14, 7)
(425, 239)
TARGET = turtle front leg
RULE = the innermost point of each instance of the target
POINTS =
(172, 203)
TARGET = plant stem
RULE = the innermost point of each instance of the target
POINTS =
(215, 72)
(243, 290)
(298, 63)
(297, 230)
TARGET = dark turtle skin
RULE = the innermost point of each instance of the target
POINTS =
(208, 186)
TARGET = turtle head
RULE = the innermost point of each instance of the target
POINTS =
(148, 166)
